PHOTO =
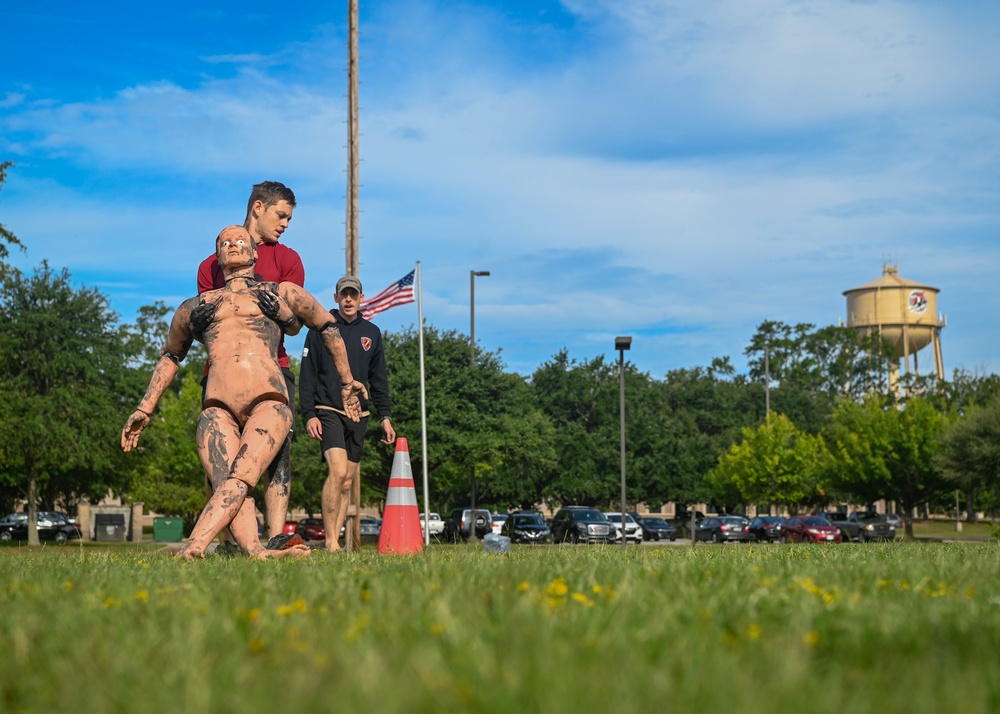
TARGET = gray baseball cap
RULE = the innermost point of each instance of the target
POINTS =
(349, 281)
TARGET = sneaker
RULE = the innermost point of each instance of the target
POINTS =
(283, 541)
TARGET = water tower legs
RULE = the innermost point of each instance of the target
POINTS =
(938, 360)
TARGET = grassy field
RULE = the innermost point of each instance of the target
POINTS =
(899, 627)
(939, 528)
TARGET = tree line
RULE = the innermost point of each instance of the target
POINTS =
(811, 422)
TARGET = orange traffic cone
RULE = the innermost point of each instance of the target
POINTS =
(401, 532)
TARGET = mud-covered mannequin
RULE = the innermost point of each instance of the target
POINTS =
(246, 415)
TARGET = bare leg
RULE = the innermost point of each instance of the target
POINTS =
(261, 437)
(225, 535)
(278, 490)
(336, 490)
(215, 428)
(244, 527)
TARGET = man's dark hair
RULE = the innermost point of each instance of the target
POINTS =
(269, 193)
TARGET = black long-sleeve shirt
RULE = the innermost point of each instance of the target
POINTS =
(319, 382)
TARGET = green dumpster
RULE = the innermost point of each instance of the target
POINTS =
(168, 528)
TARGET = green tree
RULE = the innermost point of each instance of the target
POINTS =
(581, 401)
(476, 415)
(970, 454)
(63, 381)
(6, 237)
(811, 368)
(885, 449)
(774, 463)
(169, 477)
(705, 411)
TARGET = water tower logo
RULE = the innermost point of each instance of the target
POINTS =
(918, 301)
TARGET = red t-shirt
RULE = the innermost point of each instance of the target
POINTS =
(276, 263)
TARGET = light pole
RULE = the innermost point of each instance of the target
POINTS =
(472, 364)
(767, 384)
(622, 344)
(472, 312)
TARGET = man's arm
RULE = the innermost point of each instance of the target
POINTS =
(292, 271)
(308, 376)
(291, 268)
(378, 381)
(314, 315)
(277, 309)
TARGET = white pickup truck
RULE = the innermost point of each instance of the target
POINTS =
(435, 526)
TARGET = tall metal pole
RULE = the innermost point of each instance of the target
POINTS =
(622, 344)
(352, 138)
(767, 384)
(621, 411)
(423, 403)
(472, 365)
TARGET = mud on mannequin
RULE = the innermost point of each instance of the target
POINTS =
(246, 416)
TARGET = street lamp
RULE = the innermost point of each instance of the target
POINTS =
(472, 363)
(622, 344)
(472, 312)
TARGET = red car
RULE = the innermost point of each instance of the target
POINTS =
(809, 529)
(312, 529)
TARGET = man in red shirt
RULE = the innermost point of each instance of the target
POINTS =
(269, 211)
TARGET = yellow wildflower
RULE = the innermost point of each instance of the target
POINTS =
(557, 588)
(583, 599)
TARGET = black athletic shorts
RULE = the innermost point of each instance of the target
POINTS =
(339, 432)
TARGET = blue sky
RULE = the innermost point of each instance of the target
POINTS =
(675, 171)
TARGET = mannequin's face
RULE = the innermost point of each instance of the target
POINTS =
(235, 248)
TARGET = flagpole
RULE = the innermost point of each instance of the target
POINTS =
(423, 403)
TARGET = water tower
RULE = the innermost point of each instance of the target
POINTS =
(903, 312)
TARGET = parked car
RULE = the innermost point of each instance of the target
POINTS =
(654, 528)
(457, 525)
(582, 524)
(809, 529)
(526, 527)
(893, 519)
(371, 527)
(290, 527)
(723, 529)
(860, 527)
(682, 522)
(766, 528)
(632, 529)
(51, 525)
(869, 526)
(311, 529)
(435, 526)
(497, 521)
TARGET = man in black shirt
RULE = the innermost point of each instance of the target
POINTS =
(342, 440)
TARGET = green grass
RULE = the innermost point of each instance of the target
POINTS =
(939, 528)
(898, 627)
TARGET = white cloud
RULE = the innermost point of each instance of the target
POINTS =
(694, 167)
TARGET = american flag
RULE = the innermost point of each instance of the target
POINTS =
(399, 293)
